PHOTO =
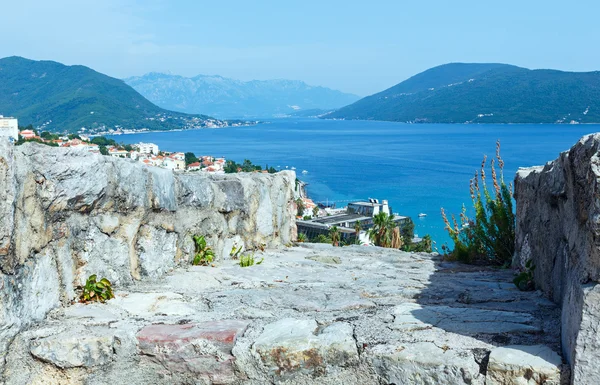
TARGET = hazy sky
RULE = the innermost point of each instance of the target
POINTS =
(355, 46)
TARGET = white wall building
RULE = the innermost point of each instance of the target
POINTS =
(147, 148)
(9, 127)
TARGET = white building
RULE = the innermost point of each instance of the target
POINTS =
(9, 127)
(147, 148)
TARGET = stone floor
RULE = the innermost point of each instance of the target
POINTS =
(306, 315)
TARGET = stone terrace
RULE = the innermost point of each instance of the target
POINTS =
(306, 315)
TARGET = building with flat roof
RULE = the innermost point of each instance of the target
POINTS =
(147, 148)
(9, 127)
(362, 212)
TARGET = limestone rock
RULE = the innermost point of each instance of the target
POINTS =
(412, 316)
(524, 365)
(157, 249)
(291, 345)
(66, 214)
(200, 348)
(558, 224)
(425, 363)
(81, 348)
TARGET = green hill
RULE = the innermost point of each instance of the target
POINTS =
(66, 98)
(484, 93)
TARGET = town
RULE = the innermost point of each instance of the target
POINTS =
(146, 153)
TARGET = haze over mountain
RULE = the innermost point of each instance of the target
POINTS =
(230, 98)
(66, 98)
(484, 93)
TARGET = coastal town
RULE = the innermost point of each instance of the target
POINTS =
(146, 153)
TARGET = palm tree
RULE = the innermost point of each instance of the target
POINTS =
(315, 211)
(383, 226)
(357, 228)
(301, 237)
(396, 238)
(334, 233)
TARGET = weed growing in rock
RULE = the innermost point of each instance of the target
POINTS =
(248, 260)
(204, 255)
(524, 280)
(96, 291)
(490, 236)
(235, 252)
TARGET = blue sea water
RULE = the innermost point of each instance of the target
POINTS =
(418, 168)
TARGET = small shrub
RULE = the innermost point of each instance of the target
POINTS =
(301, 237)
(204, 255)
(321, 238)
(96, 291)
(524, 280)
(248, 260)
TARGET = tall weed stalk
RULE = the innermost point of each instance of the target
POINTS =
(489, 237)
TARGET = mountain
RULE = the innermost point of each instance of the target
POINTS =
(484, 93)
(57, 97)
(223, 97)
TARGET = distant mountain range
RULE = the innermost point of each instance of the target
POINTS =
(229, 98)
(56, 97)
(484, 93)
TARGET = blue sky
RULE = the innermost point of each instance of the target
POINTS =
(355, 46)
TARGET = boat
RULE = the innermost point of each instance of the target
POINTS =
(304, 172)
(422, 215)
(293, 168)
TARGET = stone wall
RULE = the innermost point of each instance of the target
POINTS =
(558, 227)
(66, 214)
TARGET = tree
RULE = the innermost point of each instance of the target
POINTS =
(357, 228)
(396, 238)
(74, 136)
(102, 141)
(300, 207)
(190, 158)
(103, 150)
(381, 232)
(334, 233)
(315, 211)
(407, 231)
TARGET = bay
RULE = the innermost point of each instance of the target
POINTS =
(418, 168)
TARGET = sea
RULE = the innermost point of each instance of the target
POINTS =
(418, 168)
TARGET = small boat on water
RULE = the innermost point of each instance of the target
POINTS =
(422, 215)
(304, 172)
(293, 168)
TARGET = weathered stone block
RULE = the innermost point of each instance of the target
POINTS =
(291, 346)
(200, 348)
(80, 348)
(524, 365)
(424, 363)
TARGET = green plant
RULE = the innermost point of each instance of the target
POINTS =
(235, 251)
(248, 260)
(490, 236)
(315, 211)
(96, 291)
(204, 255)
(300, 207)
(301, 237)
(334, 233)
(321, 238)
(382, 231)
(524, 280)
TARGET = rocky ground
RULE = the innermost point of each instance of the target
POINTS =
(306, 315)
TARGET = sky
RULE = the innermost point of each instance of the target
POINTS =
(360, 47)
